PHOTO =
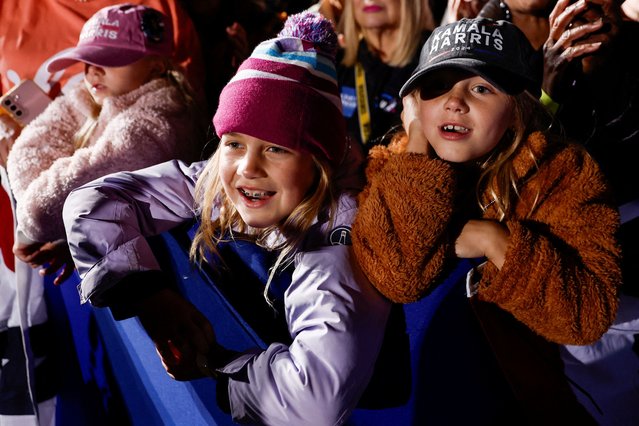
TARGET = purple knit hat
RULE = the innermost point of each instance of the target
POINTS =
(286, 92)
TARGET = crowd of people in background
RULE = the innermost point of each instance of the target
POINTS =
(502, 131)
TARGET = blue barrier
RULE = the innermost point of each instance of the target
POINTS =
(449, 375)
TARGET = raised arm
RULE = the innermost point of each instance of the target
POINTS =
(401, 233)
(107, 221)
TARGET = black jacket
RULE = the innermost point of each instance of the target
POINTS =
(382, 84)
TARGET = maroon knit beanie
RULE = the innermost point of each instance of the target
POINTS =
(286, 92)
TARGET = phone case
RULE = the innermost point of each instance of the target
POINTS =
(24, 102)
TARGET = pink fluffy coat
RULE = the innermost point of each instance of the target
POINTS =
(149, 125)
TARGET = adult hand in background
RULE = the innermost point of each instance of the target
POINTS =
(179, 331)
(52, 256)
(576, 31)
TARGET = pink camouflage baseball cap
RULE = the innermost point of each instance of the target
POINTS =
(119, 35)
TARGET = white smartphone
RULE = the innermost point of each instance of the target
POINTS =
(24, 102)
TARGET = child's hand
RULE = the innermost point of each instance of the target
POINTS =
(483, 238)
(180, 332)
(417, 141)
(9, 132)
(630, 9)
(50, 256)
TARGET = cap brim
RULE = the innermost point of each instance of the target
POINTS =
(501, 79)
(102, 56)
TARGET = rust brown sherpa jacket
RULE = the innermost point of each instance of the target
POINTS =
(561, 273)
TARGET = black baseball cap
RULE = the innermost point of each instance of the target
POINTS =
(495, 50)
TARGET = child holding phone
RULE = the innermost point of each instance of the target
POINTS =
(272, 180)
(132, 110)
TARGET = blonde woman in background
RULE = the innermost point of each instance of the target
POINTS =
(381, 42)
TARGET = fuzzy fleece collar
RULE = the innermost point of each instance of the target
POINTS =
(82, 100)
(530, 153)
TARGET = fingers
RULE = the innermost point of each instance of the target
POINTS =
(559, 8)
(46, 254)
(50, 268)
(578, 51)
(65, 274)
(4, 152)
(25, 251)
(572, 35)
(417, 141)
(178, 363)
(561, 22)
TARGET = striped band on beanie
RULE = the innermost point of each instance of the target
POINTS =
(286, 92)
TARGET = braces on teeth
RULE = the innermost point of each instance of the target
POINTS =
(254, 194)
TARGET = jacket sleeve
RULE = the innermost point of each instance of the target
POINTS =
(337, 322)
(400, 233)
(131, 140)
(562, 267)
(107, 222)
(41, 143)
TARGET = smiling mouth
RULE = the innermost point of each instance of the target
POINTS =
(256, 195)
(455, 129)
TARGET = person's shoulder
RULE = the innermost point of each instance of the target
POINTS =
(346, 208)
(563, 157)
(333, 230)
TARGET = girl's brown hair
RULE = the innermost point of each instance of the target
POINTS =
(498, 179)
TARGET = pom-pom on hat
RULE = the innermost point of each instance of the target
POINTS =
(119, 35)
(495, 50)
(286, 92)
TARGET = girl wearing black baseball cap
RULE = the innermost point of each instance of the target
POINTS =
(477, 174)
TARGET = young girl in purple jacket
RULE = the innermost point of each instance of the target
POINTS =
(132, 110)
(273, 180)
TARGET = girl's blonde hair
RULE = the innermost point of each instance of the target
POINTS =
(497, 178)
(415, 17)
(210, 195)
(177, 78)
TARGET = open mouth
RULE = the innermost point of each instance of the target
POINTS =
(450, 128)
(255, 195)
(97, 87)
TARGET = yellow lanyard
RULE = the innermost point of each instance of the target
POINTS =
(362, 104)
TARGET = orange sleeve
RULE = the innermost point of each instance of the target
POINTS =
(562, 270)
(401, 233)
